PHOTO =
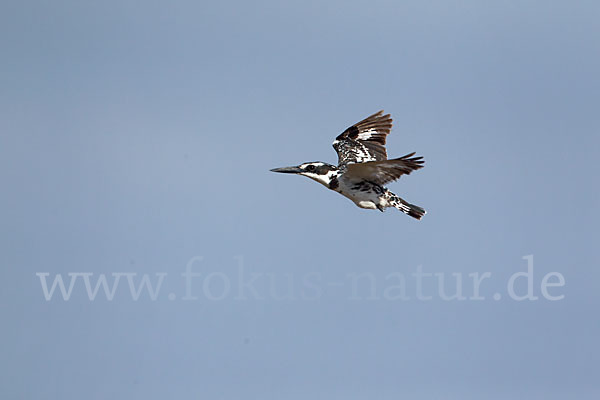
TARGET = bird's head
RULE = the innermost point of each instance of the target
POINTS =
(318, 171)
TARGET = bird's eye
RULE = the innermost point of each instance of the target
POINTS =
(310, 168)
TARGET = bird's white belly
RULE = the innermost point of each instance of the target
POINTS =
(366, 204)
(368, 200)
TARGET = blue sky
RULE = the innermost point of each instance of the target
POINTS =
(136, 136)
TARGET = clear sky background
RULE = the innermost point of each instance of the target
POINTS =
(135, 136)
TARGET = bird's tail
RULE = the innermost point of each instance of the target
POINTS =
(404, 206)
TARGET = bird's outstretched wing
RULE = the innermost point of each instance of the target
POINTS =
(364, 141)
(384, 171)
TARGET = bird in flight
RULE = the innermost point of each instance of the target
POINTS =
(363, 167)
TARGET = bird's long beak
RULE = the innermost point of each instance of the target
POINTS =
(287, 170)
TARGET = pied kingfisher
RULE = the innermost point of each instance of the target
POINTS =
(363, 167)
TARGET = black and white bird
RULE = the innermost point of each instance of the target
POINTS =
(363, 167)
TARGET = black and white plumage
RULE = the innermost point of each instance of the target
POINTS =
(363, 168)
